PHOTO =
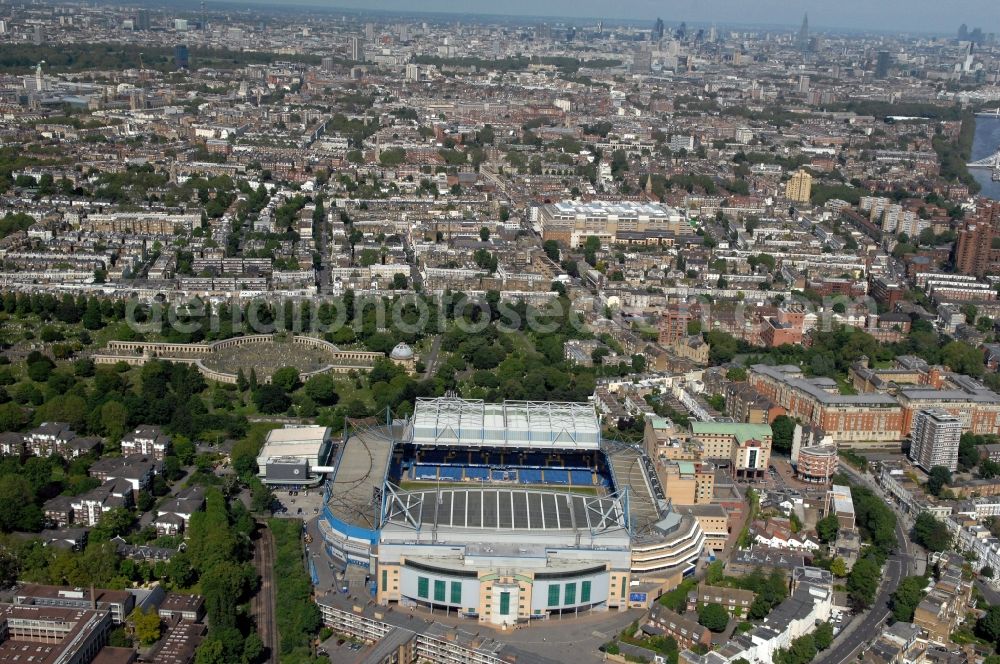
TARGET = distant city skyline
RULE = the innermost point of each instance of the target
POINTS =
(894, 15)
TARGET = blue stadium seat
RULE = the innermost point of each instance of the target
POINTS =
(477, 473)
(530, 476)
(424, 471)
(451, 473)
(556, 476)
(581, 477)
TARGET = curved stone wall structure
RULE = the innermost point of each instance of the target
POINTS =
(137, 353)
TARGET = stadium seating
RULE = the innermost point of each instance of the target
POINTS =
(556, 476)
(530, 476)
(423, 471)
(528, 467)
(477, 473)
(497, 475)
(451, 473)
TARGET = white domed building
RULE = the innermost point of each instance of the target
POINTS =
(403, 355)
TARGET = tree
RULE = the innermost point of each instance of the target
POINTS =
(938, 478)
(241, 380)
(114, 416)
(963, 358)
(322, 389)
(114, 522)
(863, 581)
(930, 533)
(715, 573)
(184, 449)
(782, 430)
(827, 528)
(271, 399)
(907, 596)
(17, 509)
(722, 346)
(968, 454)
(590, 248)
(253, 648)
(287, 378)
(838, 567)
(988, 626)
(551, 249)
(823, 636)
(146, 625)
(261, 497)
(400, 281)
(40, 370)
(484, 234)
(875, 519)
(713, 616)
(738, 375)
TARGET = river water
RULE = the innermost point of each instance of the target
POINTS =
(986, 142)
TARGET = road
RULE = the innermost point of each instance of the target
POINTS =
(866, 627)
(323, 273)
(262, 606)
(431, 361)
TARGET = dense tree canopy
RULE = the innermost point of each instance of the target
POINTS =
(906, 597)
(930, 533)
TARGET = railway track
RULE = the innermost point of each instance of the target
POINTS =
(263, 604)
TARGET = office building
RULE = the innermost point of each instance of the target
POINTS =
(295, 456)
(181, 57)
(935, 438)
(746, 446)
(658, 29)
(688, 482)
(799, 187)
(882, 64)
(675, 320)
(45, 633)
(571, 223)
(357, 50)
(840, 503)
(974, 252)
(642, 61)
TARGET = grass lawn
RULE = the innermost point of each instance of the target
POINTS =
(347, 389)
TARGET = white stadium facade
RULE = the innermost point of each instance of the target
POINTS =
(503, 512)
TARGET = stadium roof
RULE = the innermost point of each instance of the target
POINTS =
(503, 509)
(449, 421)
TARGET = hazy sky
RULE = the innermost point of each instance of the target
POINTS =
(942, 16)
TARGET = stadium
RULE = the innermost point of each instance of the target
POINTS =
(502, 513)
